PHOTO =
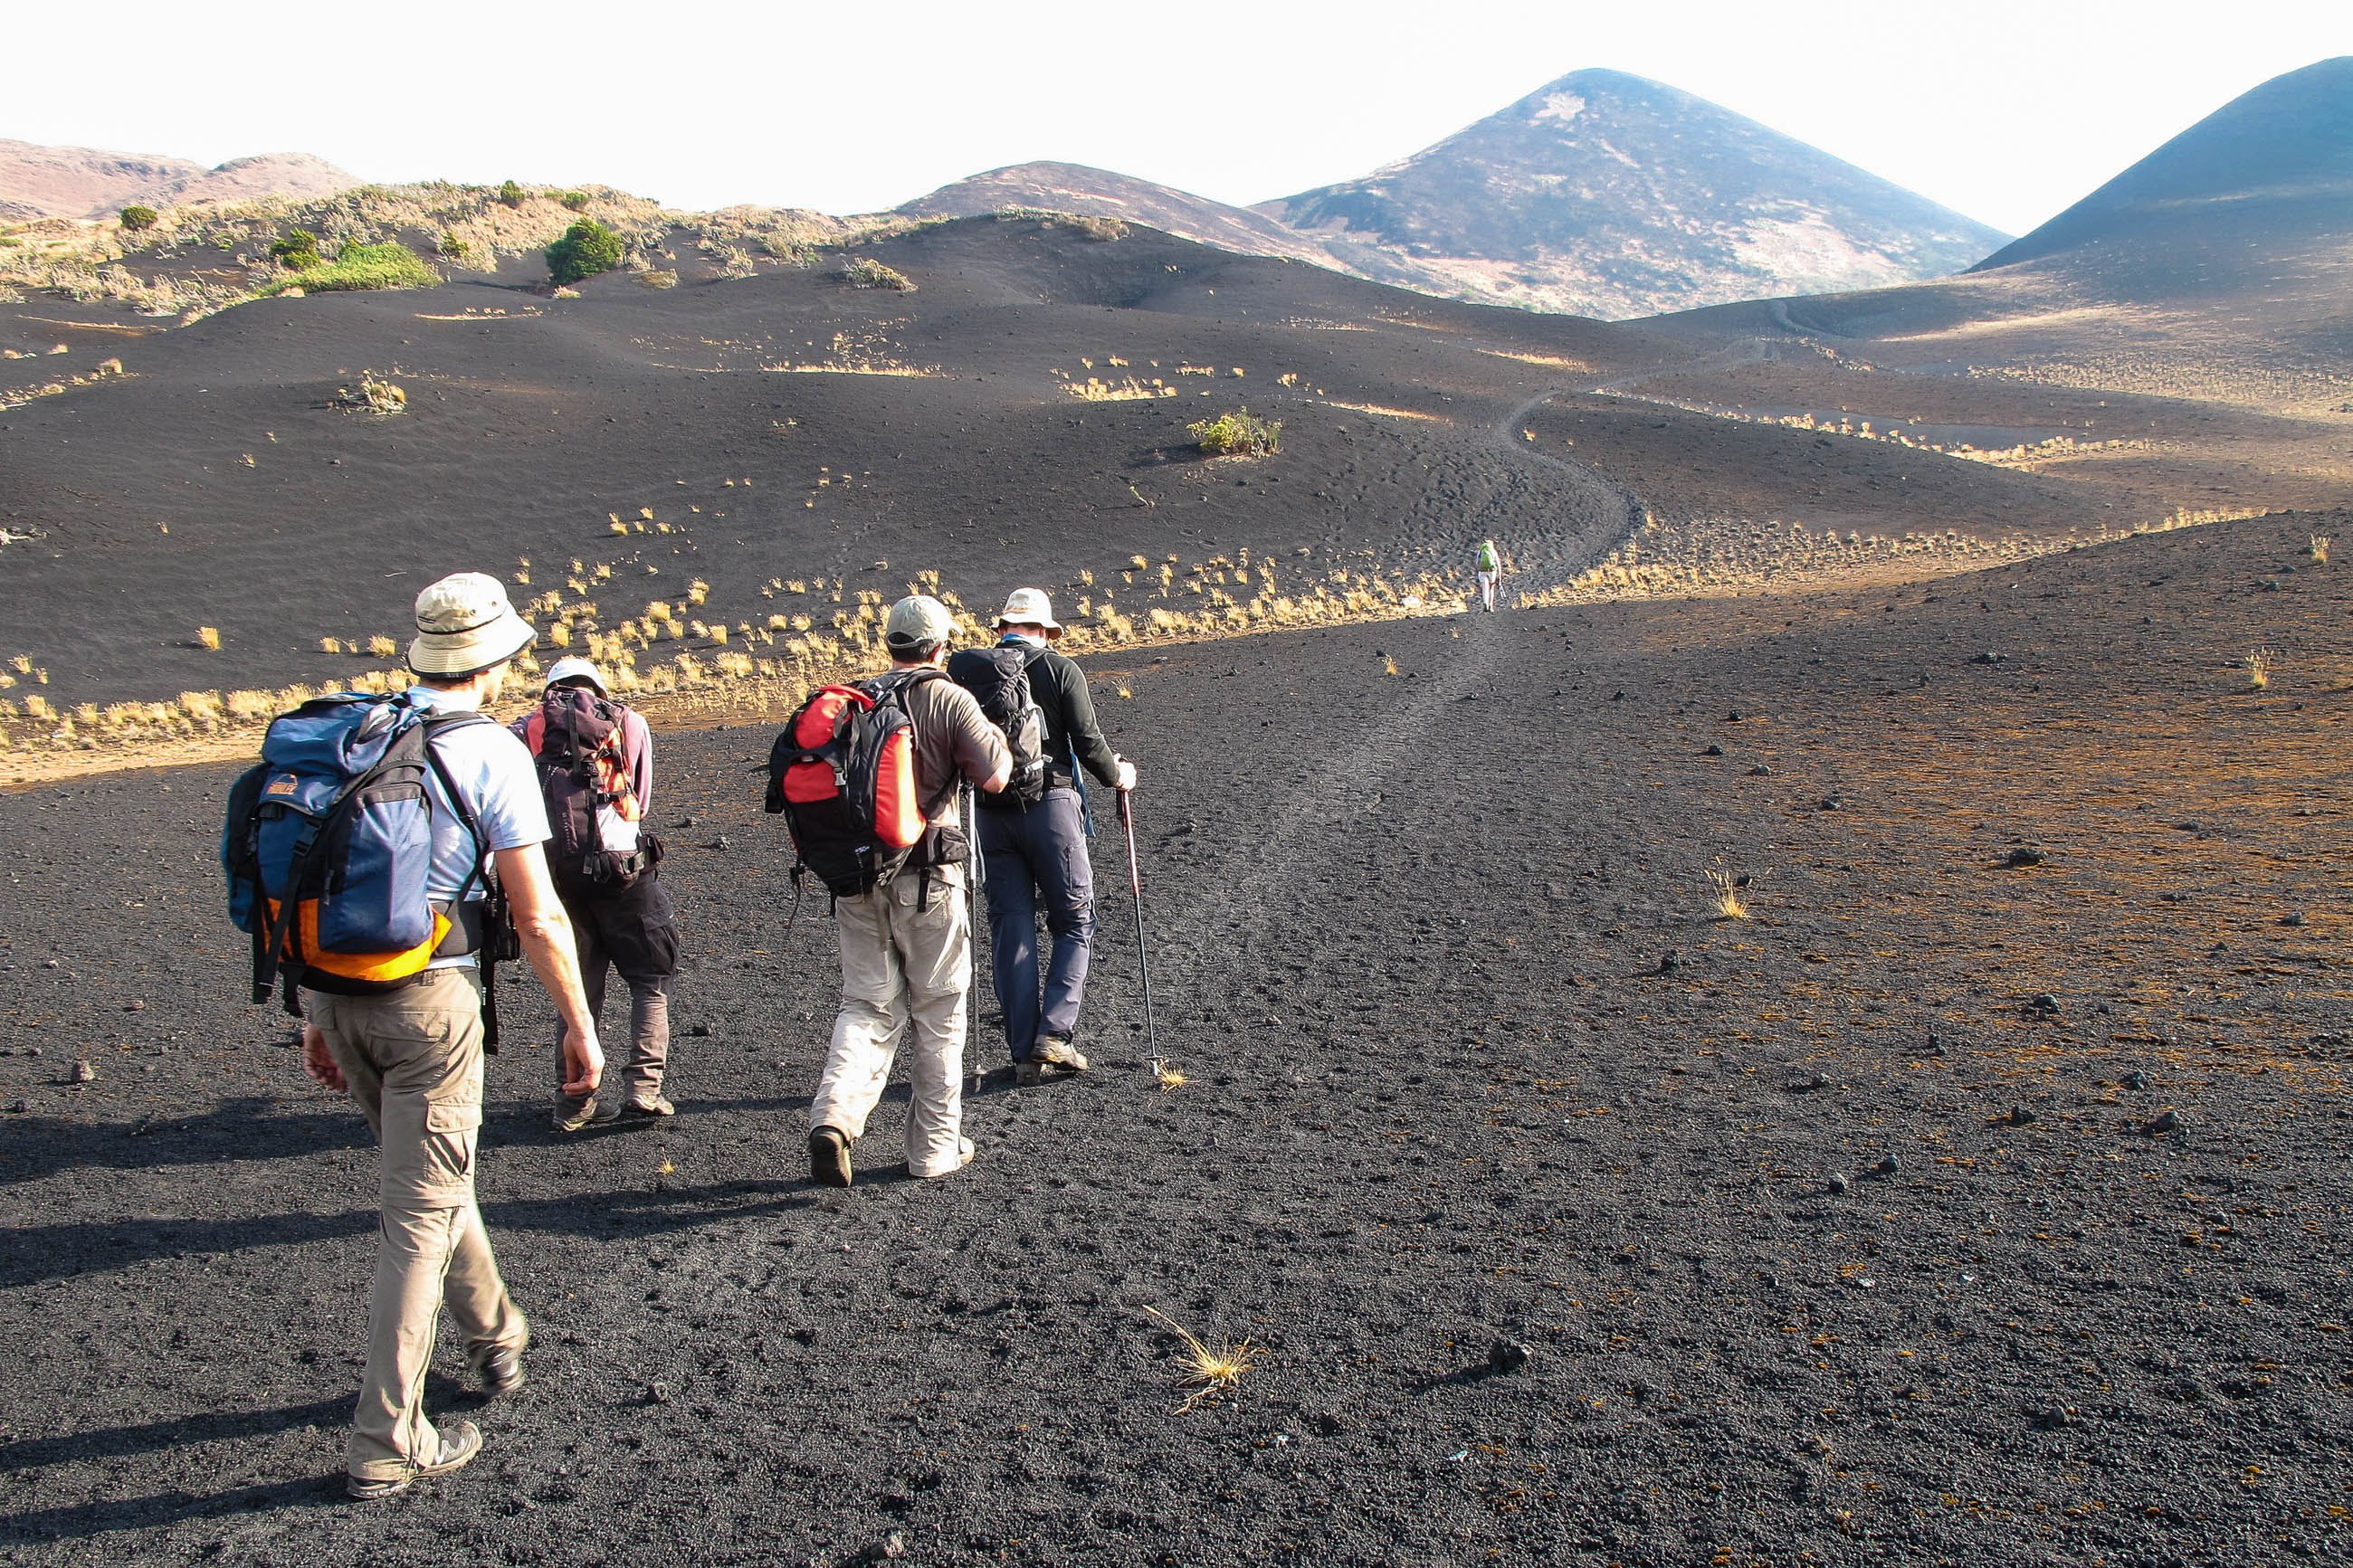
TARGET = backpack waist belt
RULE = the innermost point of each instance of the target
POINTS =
(467, 927)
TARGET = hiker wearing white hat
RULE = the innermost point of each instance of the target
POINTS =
(596, 778)
(411, 1056)
(1033, 839)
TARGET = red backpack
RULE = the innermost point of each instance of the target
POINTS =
(843, 775)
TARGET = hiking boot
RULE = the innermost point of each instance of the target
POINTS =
(828, 1157)
(1054, 1050)
(497, 1369)
(1028, 1075)
(652, 1109)
(460, 1441)
(576, 1119)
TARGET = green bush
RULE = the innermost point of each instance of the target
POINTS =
(659, 278)
(865, 272)
(586, 248)
(136, 219)
(452, 246)
(1239, 434)
(387, 266)
(298, 251)
(511, 194)
(577, 200)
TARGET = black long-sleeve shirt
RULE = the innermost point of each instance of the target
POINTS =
(1072, 730)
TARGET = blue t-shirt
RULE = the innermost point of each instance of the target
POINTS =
(493, 771)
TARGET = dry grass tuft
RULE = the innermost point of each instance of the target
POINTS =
(1209, 1371)
(1728, 891)
(2259, 664)
(2320, 543)
(209, 637)
(1168, 1074)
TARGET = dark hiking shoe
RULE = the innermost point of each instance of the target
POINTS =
(1028, 1075)
(575, 1120)
(652, 1109)
(498, 1370)
(460, 1441)
(1055, 1051)
(828, 1157)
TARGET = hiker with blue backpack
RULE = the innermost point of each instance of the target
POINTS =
(870, 779)
(1033, 833)
(369, 855)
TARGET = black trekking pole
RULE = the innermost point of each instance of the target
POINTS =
(1142, 963)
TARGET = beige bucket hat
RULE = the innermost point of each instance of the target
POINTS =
(1028, 607)
(918, 621)
(465, 626)
(572, 666)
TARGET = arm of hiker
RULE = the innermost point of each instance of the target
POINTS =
(981, 754)
(637, 744)
(1086, 735)
(320, 1062)
(546, 933)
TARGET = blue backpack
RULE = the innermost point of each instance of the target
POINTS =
(328, 842)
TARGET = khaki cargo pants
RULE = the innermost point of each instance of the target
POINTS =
(906, 961)
(412, 1059)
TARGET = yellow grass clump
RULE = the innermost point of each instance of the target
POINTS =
(1208, 1370)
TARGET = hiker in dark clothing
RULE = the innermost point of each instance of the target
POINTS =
(1035, 856)
(620, 914)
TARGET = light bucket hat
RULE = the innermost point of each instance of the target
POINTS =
(918, 622)
(465, 626)
(1028, 607)
(572, 666)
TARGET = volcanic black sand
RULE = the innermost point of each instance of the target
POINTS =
(1960, 1206)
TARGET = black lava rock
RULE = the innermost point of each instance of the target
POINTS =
(2164, 1121)
(1887, 1166)
(1713, 751)
(2136, 1080)
(2022, 1117)
(2043, 1006)
(2026, 855)
(1507, 1355)
(1838, 1183)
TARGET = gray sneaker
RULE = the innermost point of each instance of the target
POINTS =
(575, 1119)
(460, 1441)
(498, 1370)
(652, 1109)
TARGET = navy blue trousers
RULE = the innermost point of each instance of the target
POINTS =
(1036, 861)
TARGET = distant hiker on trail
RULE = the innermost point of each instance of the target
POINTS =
(1490, 567)
(1033, 835)
(422, 793)
(597, 776)
(872, 779)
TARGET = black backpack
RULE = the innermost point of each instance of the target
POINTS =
(576, 737)
(998, 679)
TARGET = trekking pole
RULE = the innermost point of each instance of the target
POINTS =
(975, 881)
(1142, 963)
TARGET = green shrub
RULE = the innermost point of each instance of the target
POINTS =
(298, 251)
(452, 245)
(659, 278)
(511, 194)
(1093, 226)
(586, 248)
(577, 200)
(865, 272)
(1239, 434)
(136, 219)
(386, 265)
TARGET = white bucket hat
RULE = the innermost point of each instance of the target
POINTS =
(465, 626)
(1028, 607)
(572, 666)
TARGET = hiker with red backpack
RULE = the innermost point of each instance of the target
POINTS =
(870, 779)
(596, 762)
(368, 854)
(1033, 835)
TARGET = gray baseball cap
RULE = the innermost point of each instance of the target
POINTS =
(917, 621)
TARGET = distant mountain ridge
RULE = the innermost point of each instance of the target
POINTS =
(38, 182)
(2274, 165)
(1610, 194)
(1077, 188)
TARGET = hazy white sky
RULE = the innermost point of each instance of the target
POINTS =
(2004, 110)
